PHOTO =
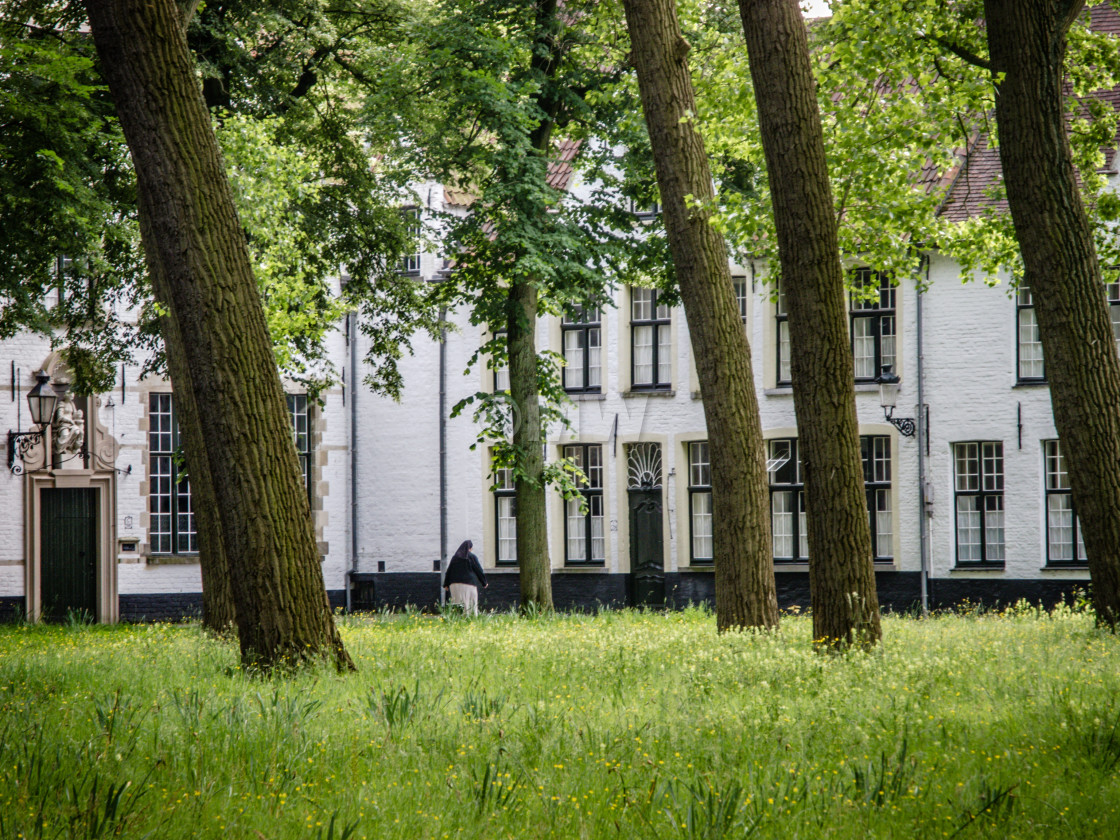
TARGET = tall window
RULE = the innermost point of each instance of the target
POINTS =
(582, 351)
(172, 526)
(1063, 531)
(505, 516)
(1032, 368)
(787, 502)
(979, 502)
(301, 432)
(584, 542)
(741, 296)
(787, 498)
(700, 501)
(781, 324)
(873, 327)
(1114, 307)
(410, 262)
(876, 452)
(650, 341)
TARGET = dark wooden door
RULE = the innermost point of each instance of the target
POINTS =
(68, 552)
(647, 564)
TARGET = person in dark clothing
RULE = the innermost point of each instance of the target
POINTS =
(464, 577)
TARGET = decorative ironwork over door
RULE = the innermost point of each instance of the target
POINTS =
(647, 547)
(68, 539)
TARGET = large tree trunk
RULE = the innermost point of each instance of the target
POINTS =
(194, 239)
(1027, 44)
(218, 613)
(841, 568)
(535, 566)
(746, 594)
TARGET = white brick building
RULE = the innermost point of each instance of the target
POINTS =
(972, 506)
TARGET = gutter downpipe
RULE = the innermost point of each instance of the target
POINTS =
(442, 449)
(924, 504)
(353, 339)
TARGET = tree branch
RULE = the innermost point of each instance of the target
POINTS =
(960, 52)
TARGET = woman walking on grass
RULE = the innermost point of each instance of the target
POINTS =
(464, 577)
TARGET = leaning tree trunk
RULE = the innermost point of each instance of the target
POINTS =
(1027, 44)
(535, 566)
(194, 239)
(218, 613)
(746, 594)
(841, 568)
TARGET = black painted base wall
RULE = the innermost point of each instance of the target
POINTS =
(183, 606)
(590, 592)
(11, 609)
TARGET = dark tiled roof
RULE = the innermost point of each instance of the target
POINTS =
(976, 179)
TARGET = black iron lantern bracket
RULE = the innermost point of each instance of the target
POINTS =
(19, 444)
(905, 425)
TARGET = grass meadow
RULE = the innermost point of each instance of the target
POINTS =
(622, 724)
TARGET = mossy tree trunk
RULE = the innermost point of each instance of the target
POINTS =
(535, 565)
(1027, 46)
(746, 594)
(193, 238)
(218, 613)
(841, 569)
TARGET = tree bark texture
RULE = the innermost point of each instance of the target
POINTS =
(218, 612)
(535, 565)
(841, 570)
(193, 237)
(533, 560)
(1027, 43)
(746, 594)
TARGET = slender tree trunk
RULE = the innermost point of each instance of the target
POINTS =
(195, 240)
(533, 559)
(746, 594)
(841, 568)
(218, 613)
(1027, 44)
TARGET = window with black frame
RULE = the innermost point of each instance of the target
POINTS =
(700, 503)
(876, 453)
(1113, 293)
(651, 360)
(1064, 545)
(410, 262)
(979, 503)
(1030, 365)
(742, 291)
(584, 539)
(171, 528)
(872, 317)
(582, 342)
(301, 434)
(505, 516)
(787, 501)
(781, 329)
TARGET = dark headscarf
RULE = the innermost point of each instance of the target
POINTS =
(463, 551)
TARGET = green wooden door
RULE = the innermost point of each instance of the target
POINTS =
(647, 552)
(68, 552)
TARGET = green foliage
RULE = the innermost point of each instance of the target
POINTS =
(902, 93)
(1000, 724)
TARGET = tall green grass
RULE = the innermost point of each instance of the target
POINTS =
(623, 724)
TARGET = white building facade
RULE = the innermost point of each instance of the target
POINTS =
(971, 502)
